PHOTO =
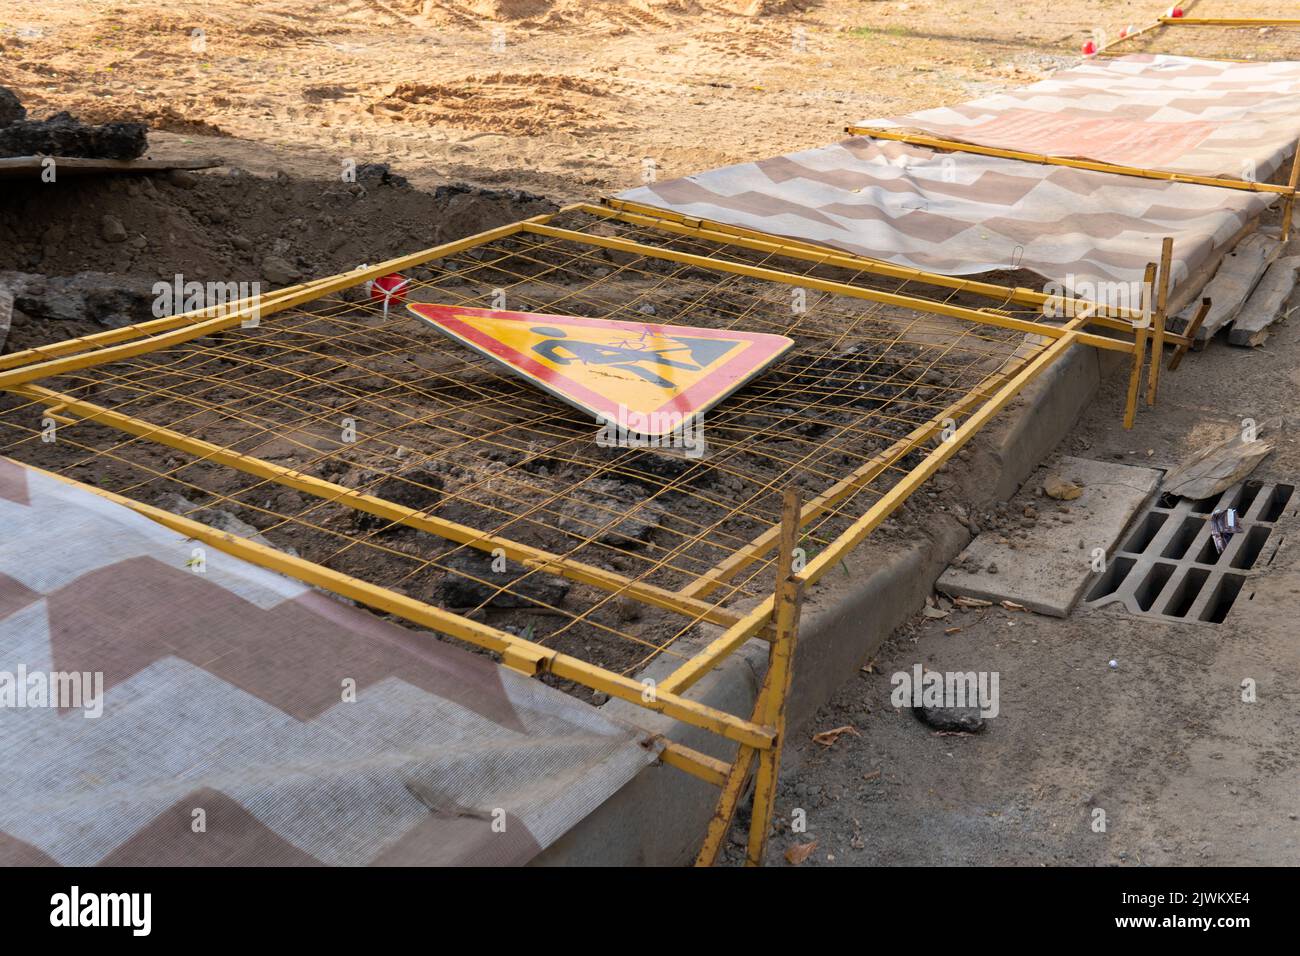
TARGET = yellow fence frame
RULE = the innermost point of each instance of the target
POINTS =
(1119, 319)
(958, 146)
(1229, 21)
(759, 737)
(1287, 190)
(1165, 20)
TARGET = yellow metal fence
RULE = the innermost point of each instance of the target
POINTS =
(423, 481)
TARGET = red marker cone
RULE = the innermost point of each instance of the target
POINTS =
(1175, 12)
(1123, 33)
(390, 288)
(1089, 49)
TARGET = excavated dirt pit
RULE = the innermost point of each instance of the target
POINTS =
(443, 431)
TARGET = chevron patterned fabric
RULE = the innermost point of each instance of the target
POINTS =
(1179, 114)
(226, 734)
(963, 214)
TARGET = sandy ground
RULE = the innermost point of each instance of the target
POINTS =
(569, 97)
(577, 99)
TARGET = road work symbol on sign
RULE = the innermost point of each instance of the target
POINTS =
(614, 370)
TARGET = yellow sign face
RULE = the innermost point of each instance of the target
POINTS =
(647, 377)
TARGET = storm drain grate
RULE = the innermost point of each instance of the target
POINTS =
(1168, 566)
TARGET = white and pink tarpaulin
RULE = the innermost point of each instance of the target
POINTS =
(960, 213)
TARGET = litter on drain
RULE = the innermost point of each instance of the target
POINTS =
(1170, 566)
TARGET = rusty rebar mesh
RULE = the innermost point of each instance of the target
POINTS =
(1259, 44)
(380, 403)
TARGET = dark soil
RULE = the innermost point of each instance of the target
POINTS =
(63, 135)
(224, 225)
(11, 109)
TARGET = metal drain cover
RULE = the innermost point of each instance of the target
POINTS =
(1168, 567)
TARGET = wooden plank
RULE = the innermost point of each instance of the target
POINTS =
(1216, 468)
(1265, 304)
(14, 167)
(1160, 317)
(1232, 284)
(1190, 291)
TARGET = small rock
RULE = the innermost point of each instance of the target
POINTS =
(278, 271)
(182, 178)
(1057, 487)
(992, 568)
(112, 230)
(381, 174)
(629, 609)
(959, 719)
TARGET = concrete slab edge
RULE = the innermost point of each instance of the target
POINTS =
(659, 817)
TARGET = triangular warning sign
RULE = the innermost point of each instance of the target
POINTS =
(647, 377)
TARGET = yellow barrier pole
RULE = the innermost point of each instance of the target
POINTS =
(934, 142)
(706, 768)
(1288, 208)
(769, 709)
(1158, 334)
(720, 822)
(823, 285)
(176, 336)
(664, 220)
(112, 336)
(780, 663)
(1139, 354)
(1126, 37)
(758, 617)
(1230, 21)
(426, 615)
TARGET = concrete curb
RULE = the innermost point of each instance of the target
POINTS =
(659, 818)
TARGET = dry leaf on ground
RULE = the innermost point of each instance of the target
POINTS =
(800, 852)
(828, 737)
